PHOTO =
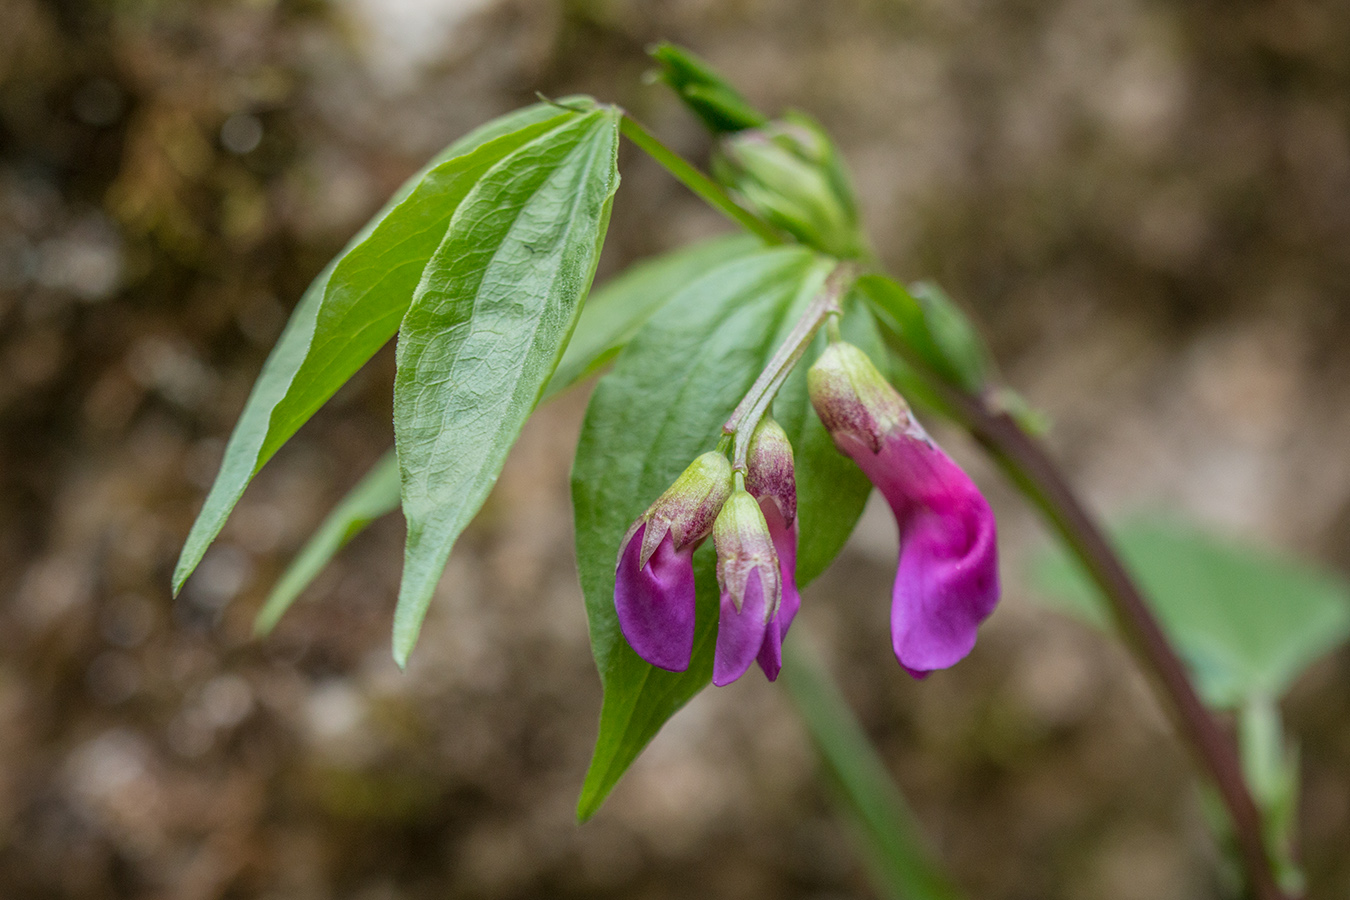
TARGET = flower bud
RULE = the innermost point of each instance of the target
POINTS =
(770, 476)
(789, 172)
(689, 507)
(751, 587)
(855, 401)
(654, 578)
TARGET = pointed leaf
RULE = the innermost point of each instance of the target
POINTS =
(351, 310)
(485, 331)
(664, 402)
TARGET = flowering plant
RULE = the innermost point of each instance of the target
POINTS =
(749, 398)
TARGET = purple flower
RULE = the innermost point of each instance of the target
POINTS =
(770, 479)
(751, 588)
(947, 580)
(654, 578)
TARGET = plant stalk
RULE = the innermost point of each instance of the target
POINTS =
(825, 305)
(1025, 461)
(708, 190)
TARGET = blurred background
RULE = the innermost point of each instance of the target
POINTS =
(1146, 205)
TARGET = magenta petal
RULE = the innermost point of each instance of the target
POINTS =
(947, 580)
(785, 544)
(656, 603)
(740, 635)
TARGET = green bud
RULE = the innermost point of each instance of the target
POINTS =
(706, 93)
(789, 173)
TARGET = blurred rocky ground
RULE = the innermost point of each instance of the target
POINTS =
(1146, 205)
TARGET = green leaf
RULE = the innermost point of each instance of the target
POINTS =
(608, 320)
(374, 496)
(931, 327)
(485, 331)
(707, 94)
(664, 402)
(1247, 621)
(614, 313)
(352, 309)
(901, 865)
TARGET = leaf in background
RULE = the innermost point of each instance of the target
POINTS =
(351, 310)
(614, 313)
(664, 402)
(931, 327)
(374, 496)
(1247, 621)
(486, 329)
(901, 865)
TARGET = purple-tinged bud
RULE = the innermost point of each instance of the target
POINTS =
(769, 474)
(770, 479)
(785, 544)
(751, 588)
(654, 579)
(946, 583)
(854, 401)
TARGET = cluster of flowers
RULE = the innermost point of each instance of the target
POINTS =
(946, 583)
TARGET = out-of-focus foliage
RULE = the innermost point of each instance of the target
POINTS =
(1247, 621)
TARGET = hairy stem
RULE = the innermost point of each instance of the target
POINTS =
(708, 190)
(1025, 461)
(825, 305)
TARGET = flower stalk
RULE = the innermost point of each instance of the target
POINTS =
(825, 305)
(1027, 464)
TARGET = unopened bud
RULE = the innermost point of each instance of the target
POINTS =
(688, 508)
(744, 547)
(770, 475)
(790, 173)
(854, 400)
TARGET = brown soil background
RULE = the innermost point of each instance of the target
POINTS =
(1145, 204)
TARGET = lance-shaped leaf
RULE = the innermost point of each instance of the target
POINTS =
(670, 391)
(485, 331)
(352, 309)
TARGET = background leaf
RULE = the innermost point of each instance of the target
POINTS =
(931, 327)
(1246, 620)
(665, 401)
(375, 495)
(614, 313)
(351, 310)
(486, 329)
(902, 867)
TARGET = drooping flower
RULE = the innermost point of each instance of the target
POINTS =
(770, 479)
(947, 580)
(654, 578)
(749, 577)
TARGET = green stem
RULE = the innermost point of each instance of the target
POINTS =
(901, 865)
(825, 305)
(710, 191)
(1027, 464)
